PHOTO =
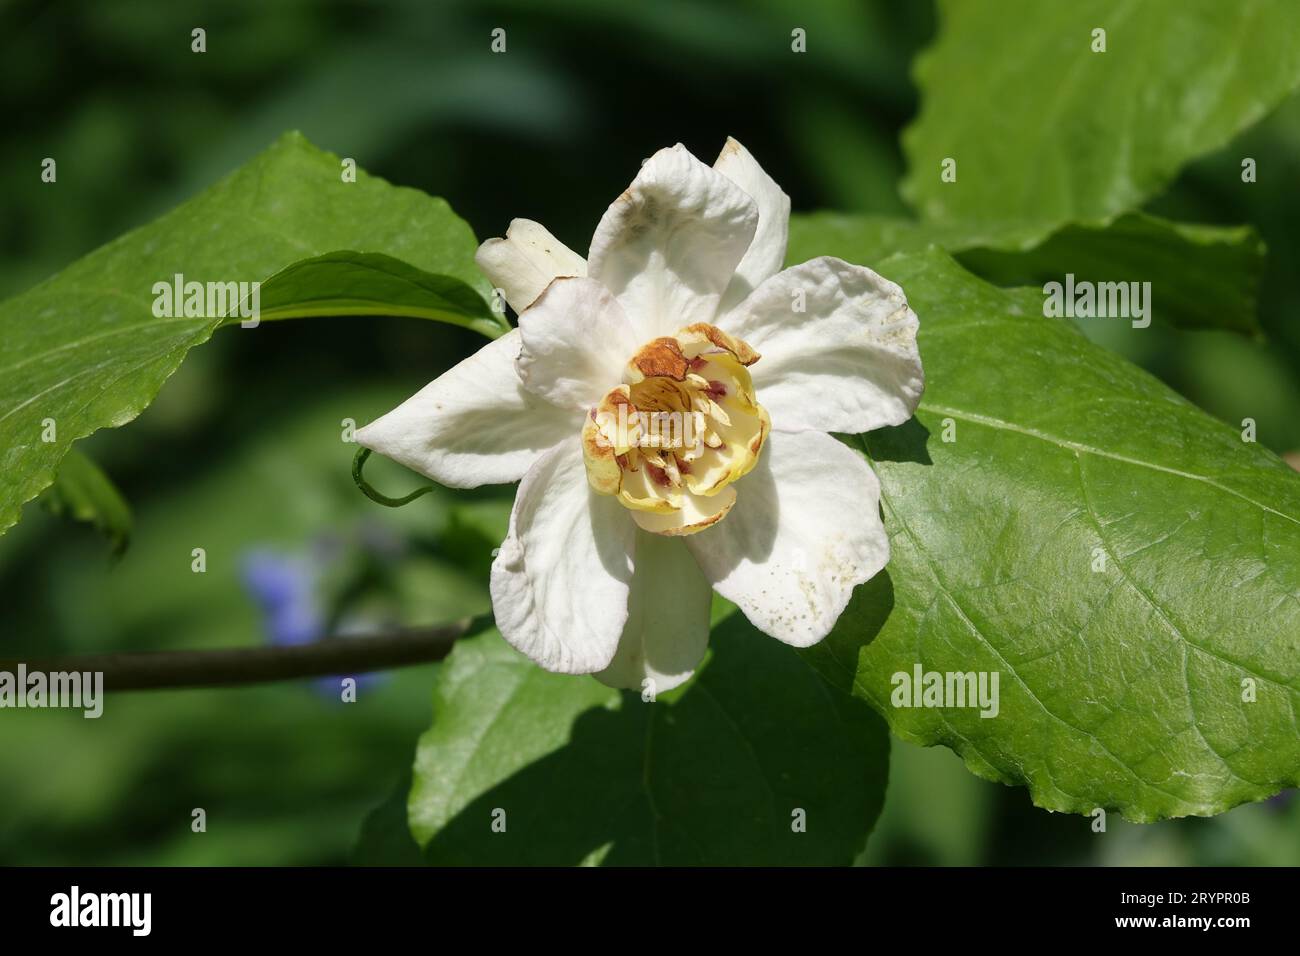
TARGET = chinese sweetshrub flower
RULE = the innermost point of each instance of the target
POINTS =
(664, 405)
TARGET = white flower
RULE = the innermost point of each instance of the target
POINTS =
(681, 308)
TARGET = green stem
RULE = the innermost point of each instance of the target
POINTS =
(157, 670)
(377, 496)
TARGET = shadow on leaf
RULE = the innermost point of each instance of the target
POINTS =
(755, 761)
(906, 442)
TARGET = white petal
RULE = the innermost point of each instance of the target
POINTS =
(805, 531)
(473, 425)
(560, 581)
(766, 254)
(667, 628)
(668, 247)
(525, 261)
(576, 343)
(847, 363)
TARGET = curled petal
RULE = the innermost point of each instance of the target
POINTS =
(523, 264)
(601, 445)
(693, 513)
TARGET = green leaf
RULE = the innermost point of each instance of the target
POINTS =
(1046, 133)
(1202, 277)
(1127, 564)
(712, 773)
(83, 350)
(359, 283)
(385, 838)
(865, 238)
(82, 492)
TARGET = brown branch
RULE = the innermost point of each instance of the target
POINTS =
(155, 670)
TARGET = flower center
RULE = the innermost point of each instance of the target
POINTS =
(683, 425)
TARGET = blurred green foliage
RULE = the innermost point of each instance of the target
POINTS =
(242, 449)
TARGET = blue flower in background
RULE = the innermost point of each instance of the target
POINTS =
(287, 590)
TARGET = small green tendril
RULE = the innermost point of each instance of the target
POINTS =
(359, 462)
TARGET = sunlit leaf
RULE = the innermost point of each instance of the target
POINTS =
(85, 350)
(1128, 565)
(1046, 132)
(1202, 277)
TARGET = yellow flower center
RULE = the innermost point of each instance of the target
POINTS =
(678, 431)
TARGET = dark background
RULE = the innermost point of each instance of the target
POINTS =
(240, 454)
